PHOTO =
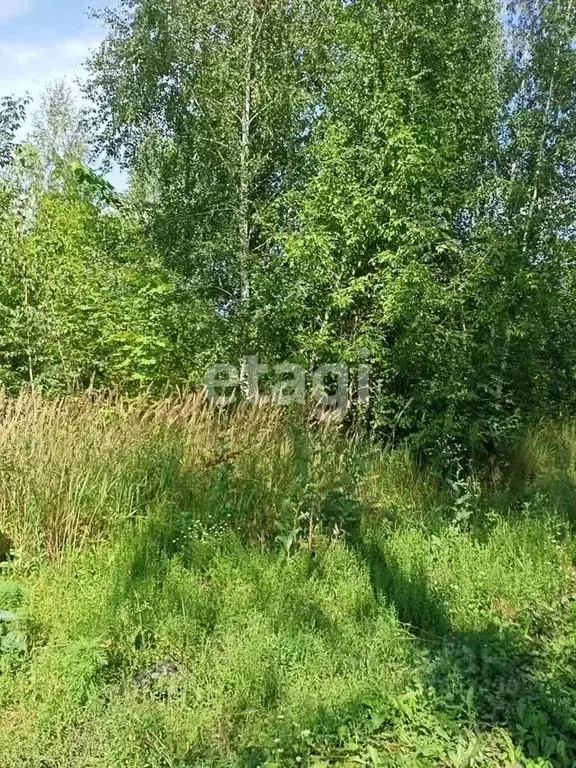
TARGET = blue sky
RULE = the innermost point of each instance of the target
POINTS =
(44, 39)
(41, 40)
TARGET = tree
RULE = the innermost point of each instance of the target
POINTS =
(12, 115)
(59, 132)
(210, 104)
(395, 176)
(402, 159)
(523, 284)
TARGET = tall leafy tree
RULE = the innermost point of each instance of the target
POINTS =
(402, 161)
(210, 103)
(59, 132)
(535, 223)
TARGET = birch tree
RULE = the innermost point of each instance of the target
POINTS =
(210, 105)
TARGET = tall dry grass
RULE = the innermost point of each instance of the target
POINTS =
(74, 469)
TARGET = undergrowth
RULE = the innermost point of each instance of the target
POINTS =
(182, 587)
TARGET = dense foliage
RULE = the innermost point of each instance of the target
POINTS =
(312, 182)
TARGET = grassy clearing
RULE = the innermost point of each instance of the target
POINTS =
(192, 590)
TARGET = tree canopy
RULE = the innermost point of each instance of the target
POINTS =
(377, 182)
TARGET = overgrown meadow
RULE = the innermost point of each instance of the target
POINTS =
(186, 587)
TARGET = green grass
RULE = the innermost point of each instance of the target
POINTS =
(198, 590)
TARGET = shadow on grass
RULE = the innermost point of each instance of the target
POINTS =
(500, 676)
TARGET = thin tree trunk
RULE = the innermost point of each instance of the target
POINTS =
(244, 205)
(28, 338)
(244, 212)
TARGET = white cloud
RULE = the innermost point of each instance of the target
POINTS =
(27, 67)
(11, 8)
